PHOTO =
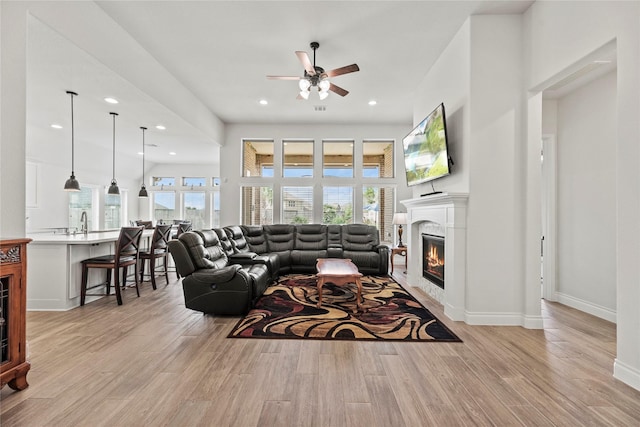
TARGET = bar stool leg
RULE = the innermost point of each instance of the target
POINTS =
(108, 281)
(83, 288)
(117, 286)
(166, 271)
(141, 269)
(152, 271)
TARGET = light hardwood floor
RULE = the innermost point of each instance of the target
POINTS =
(154, 362)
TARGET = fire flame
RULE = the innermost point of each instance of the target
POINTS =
(433, 258)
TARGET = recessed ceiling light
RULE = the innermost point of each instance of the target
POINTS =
(160, 127)
(373, 102)
(602, 61)
(56, 126)
(111, 100)
(264, 102)
(172, 153)
(140, 153)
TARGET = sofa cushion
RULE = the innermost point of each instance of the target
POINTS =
(334, 235)
(226, 244)
(204, 248)
(306, 260)
(311, 237)
(359, 237)
(279, 237)
(255, 237)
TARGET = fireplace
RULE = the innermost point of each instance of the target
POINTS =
(433, 259)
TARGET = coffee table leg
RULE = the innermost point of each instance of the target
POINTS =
(320, 283)
(359, 295)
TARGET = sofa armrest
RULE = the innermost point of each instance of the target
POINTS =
(216, 275)
(383, 250)
(181, 258)
(242, 256)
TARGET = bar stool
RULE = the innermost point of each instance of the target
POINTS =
(159, 249)
(126, 254)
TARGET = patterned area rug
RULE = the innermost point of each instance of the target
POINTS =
(288, 310)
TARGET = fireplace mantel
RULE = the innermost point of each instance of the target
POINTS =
(449, 211)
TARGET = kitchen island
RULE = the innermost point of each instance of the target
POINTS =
(55, 269)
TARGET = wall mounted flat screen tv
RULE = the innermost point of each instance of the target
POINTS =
(426, 154)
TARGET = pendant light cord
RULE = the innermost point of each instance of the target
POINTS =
(143, 129)
(72, 139)
(114, 146)
(72, 135)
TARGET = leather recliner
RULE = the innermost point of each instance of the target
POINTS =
(210, 284)
(240, 250)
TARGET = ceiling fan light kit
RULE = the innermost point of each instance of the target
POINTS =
(315, 76)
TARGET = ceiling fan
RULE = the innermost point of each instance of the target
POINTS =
(315, 76)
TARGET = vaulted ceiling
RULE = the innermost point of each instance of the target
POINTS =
(222, 51)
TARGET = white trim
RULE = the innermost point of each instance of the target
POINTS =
(586, 306)
(549, 217)
(493, 319)
(532, 322)
(626, 373)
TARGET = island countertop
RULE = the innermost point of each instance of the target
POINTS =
(79, 238)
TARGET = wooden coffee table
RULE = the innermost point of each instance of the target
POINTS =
(339, 272)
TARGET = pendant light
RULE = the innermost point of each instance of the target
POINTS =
(143, 189)
(113, 188)
(72, 183)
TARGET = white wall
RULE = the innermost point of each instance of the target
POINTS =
(551, 47)
(231, 155)
(586, 215)
(493, 236)
(479, 78)
(448, 82)
(92, 169)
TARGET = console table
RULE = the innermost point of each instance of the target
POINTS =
(13, 307)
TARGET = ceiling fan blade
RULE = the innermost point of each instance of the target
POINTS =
(283, 77)
(343, 70)
(306, 62)
(338, 90)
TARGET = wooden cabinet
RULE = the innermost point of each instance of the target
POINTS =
(13, 308)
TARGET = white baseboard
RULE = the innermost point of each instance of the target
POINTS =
(493, 319)
(532, 322)
(627, 374)
(588, 307)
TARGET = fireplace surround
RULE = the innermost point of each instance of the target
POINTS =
(446, 213)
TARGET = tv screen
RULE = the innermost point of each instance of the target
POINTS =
(425, 149)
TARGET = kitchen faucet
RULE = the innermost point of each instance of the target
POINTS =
(83, 220)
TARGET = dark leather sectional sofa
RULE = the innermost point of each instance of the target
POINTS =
(225, 270)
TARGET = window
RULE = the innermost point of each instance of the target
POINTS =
(166, 181)
(297, 205)
(377, 209)
(79, 202)
(257, 157)
(337, 205)
(377, 159)
(164, 206)
(257, 205)
(194, 209)
(297, 159)
(112, 211)
(215, 181)
(337, 159)
(194, 182)
(215, 196)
